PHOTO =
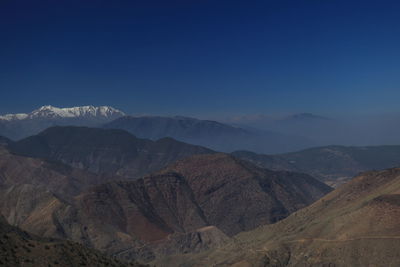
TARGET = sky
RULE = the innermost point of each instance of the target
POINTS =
(201, 58)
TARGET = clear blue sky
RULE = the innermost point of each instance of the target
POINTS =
(201, 57)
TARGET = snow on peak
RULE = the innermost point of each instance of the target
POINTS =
(49, 111)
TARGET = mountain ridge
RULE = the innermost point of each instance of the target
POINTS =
(334, 165)
(109, 151)
(49, 111)
(354, 225)
(208, 133)
(18, 126)
(186, 207)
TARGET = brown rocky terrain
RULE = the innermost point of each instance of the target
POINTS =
(19, 248)
(355, 225)
(191, 206)
(57, 177)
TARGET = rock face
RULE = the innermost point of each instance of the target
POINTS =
(333, 165)
(190, 206)
(355, 225)
(245, 195)
(161, 210)
(104, 150)
(17, 126)
(19, 248)
(202, 239)
(211, 134)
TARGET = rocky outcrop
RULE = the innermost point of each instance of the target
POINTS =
(19, 248)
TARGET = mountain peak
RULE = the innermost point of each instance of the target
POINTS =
(306, 116)
(49, 111)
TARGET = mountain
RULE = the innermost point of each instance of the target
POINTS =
(109, 151)
(333, 165)
(355, 225)
(56, 177)
(303, 117)
(4, 141)
(212, 134)
(220, 179)
(320, 130)
(19, 248)
(193, 205)
(17, 126)
(48, 112)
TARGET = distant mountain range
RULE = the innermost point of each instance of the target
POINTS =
(256, 133)
(355, 225)
(104, 151)
(48, 112)
(17, 126)
(333, 165)
(211, 134)
(117, 152)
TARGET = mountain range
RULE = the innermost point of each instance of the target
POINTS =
(130, 190)
(210, 134)
(355, 225)
(333, 165)
(106, 151)
(345, 129)
(192, 205)
(117, 152)
(17, 126)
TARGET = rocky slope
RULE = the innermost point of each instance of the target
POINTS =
(211, 134)
(56, 177)
(140, 219)
(190, 206)
(19, 248)
(355, 225)
(17, 126)
(333, 165)
(104, 150)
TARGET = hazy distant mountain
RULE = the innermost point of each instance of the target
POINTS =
(304, 117)
(212, 134)
(331, 164)
(266, 120)
(108, 151)
(348, 129)
(355, 225)
(318, 129)
(16, 126)
(4, 140)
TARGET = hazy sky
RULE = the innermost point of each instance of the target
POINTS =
(201, 58)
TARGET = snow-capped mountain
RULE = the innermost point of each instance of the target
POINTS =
(16, 126)
(74, 112)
